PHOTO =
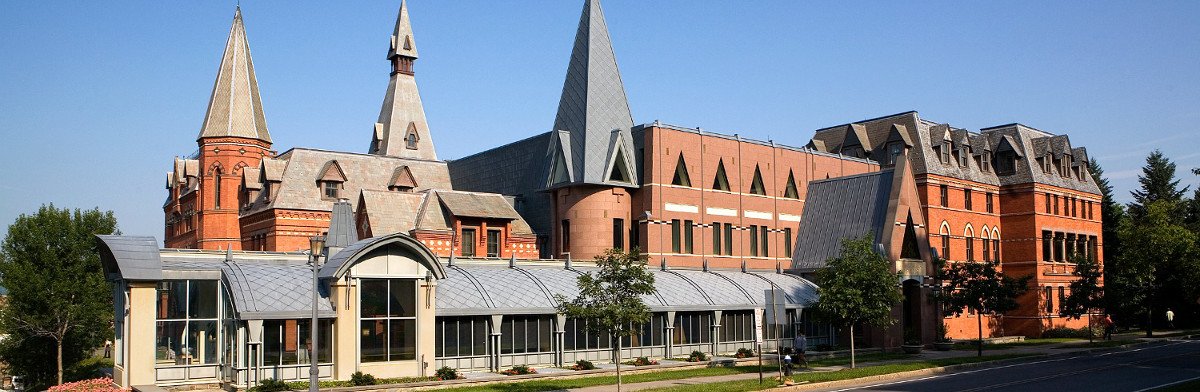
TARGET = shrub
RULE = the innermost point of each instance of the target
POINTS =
(271, 385)
(519, 370)
(644, 361)
(583, 364)
(448, 373)
(1064, 332)
(359, 379)
(103, 384)
(744, 353)
(912, 337)
(697, 356)
(943, 334)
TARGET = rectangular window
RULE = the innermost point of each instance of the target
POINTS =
(967, 199)
(987, 249)
(729, 239)
(787, 242)
(996, 250)
(388, 324)
(676, 241)
(753, 240)
(692, 328)
(1047, 246)
(566, 236)
(945, 194)
(990, 203)
(1047, 203)
(187, 330)
(285, 342)
(1049, 299)
(331, 189)
(493, 243)
(579, 337)
(766, 239)
(618, 232)
(688, 231)
(716, 238)
(970, 249)
(946, 246)
(1062, 295)
(468, 242)
(217, 191)
(460, 336)
(1058, 246)
(1074, 207)
(635, 235)
(1056, 205)
(525, 334)
(986, 162)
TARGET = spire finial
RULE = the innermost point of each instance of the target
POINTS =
(235, 107)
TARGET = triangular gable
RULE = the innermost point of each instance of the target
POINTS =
(1006, 144)
(904, 204)
(899, 133)
(403, 178)
(620, 167)
(756, 184)
(332, 172)
(856, 136)
(681, 173)
(721, 182)
(560, 162)
(790, 190)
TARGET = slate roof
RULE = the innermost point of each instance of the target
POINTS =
(261, 285)
(482, 288)
(298, 170)
(838, 208)
(515, 169)
(391, 212)
(235, 107)
(1032, 144)
(402, 110)
(477, 205)
(133, 258)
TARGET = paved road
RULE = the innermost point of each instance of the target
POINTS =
(1128, 370)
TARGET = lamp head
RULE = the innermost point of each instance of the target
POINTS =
(316, 244)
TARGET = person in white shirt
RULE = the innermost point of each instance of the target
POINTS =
(1170, 319)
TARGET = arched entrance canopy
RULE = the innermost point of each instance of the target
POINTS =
(339, 264)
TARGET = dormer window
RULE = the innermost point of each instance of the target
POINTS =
(944, 153)
(964, 157)
(855, 152)
(331, 189)
(331, 180)
(402, 180)
(1006, 163)
(1047, 164)
(985, 162)
(894, 150)
(411, 138)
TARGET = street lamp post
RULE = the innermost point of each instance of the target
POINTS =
(316, 245)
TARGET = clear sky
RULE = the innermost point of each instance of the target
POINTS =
(97, 97)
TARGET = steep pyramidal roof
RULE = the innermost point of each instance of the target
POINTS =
(401, 130)
(235, 108)
(593, 113)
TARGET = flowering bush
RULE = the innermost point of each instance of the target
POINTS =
(644, 361)
(103, 384)
(448, 373)
(583, 364)
(697, 356)
(744, 353)
(518, 370)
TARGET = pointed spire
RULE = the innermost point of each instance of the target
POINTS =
(235, 107)
(593, 108)
(401, 130)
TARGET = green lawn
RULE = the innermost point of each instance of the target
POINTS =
(874, 357)
(815, 377)
(553, 385)
(968, 346)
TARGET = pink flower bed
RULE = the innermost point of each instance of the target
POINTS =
(103, 384)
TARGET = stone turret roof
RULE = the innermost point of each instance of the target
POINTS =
(593, 113)
(403, 43)
(235, 108)
(402, 112)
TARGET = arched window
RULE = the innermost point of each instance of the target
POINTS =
(411, 138)
(987, 244)
(945, 234)
(969, 236)
(996, 244)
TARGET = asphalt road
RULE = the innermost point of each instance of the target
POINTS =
(1137, 369)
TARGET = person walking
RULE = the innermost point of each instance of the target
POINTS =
(1108, 327)
(1170, 319)
(800, 343)
(787, 365)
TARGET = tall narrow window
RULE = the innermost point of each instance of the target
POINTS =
(729, 239)
(944, 192)
(716, 238)
(1047, 246)
(687, 237)
(469, 240)
(766, 239)
(995, 248)
(787, 242)
(790, 190)
(388, 320)
(566, 236)
(967, 199)
(990, 203)
(1062, 295)
(635, 235)
(217, 190)
(756, 185)
(1047, 198)
(985, 162)
(676, 244)
(753, 240)
(987, 249)
(681, 173)
(1049, 299)
(1056, 205)
(970, 248)
(894, 151)
(493, 243)
(410, 139)
(945, 246)
(721, 182)
(618, 230)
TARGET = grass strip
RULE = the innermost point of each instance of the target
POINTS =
(582, 382)
(967, 346)
(846, 374)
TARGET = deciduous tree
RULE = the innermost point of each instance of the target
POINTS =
(1086, 294)
(858, 287)
(977, 287)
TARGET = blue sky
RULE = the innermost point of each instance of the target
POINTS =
(97, 97)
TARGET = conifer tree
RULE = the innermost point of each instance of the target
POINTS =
(1158, 183)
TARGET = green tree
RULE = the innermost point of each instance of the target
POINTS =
(1158, 183)
(57, 293)
(1157, 266)
(1086, 294)
(858, 287)
(611, 299)
(978, 287)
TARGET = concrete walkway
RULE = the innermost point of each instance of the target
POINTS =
(769, 377)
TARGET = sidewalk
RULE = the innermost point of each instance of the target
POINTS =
(1133, 337)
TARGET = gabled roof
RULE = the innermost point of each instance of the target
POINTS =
(250, 178)
(403, 178)
(477, 205)
(390, 212)
(235, 107)
(840, 208)
(593, 105)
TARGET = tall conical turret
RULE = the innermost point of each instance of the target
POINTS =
(591, 141)
(235, 108)
(401, 130)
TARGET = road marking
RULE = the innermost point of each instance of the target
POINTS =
(860, 387)
(1167, 384)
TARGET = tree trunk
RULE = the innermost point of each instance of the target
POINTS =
(618, 358)
(1149, 322)
(979, 343)
(1091, 336)
(852, 346)
(60, 358)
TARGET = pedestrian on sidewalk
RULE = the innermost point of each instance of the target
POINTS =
(787, 365)
(1108, 327)
(1170, 319)
(800, 343)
